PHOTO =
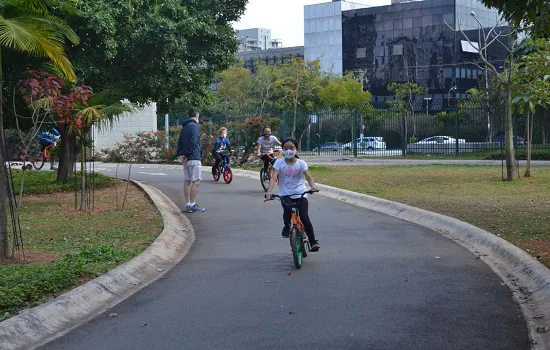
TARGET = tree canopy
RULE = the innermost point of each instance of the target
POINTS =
(154, 50)
(533, 15)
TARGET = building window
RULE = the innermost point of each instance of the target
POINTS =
(472, 47)
(397, 50)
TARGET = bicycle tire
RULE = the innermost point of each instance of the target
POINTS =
(227, 175)
(296, 247)
(39, 161)
(215, 173)
(264, 185)
(305, 249)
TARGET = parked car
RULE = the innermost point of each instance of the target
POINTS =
(440, 139)
(366, 143)
(330, 146)
(501, 139)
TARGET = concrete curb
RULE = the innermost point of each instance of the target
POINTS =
(528, 279)
(37, 326)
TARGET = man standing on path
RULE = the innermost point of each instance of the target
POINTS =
(190, 153)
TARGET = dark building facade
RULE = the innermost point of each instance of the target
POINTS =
(271, 56)
(414, 41)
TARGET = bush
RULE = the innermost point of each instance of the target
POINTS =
(521, 154)
(143, 147)
(27, 285)
(14, 143)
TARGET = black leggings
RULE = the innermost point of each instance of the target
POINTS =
(267, 160)
(304, 217)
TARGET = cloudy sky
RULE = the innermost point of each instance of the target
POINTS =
(285, 18)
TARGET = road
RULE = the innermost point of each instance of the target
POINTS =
(377, 283)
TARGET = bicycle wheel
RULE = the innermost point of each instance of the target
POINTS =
(264, 179)
(296, 247)
(215, 173)
(39, 161)
(305, 248)
(227, 175)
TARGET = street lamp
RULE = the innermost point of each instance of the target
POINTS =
(480, 29)
(449, 95)
(427, 99)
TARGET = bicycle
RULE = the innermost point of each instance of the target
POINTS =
(223, 168)
(265, 176)
(299, 242)
(40, 159)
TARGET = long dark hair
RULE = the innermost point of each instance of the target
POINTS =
(293, 141)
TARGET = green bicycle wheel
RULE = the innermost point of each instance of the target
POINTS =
(296, 247)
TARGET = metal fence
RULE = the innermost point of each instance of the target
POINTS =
(382, 132)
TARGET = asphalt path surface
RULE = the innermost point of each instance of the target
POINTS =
(377, 283)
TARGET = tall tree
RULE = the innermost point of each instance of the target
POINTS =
(152, 51)
(532, 87)
(29, 26)
(264, 84)
(406, 93)
(298, 85)
(505, 76)
(235, 90)
(533, 15)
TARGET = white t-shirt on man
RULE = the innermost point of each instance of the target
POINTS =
(291, 177)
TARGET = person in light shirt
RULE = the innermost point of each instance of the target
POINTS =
(292, 173)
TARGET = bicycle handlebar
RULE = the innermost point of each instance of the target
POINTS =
(274, 196)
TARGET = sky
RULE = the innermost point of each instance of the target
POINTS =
(285, 18)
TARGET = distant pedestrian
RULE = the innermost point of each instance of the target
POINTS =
(190, 153)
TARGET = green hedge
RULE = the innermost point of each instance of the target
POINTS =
(536, 154)
(44, 182)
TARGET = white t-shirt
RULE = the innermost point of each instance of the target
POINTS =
(291, 177)
(266, 146)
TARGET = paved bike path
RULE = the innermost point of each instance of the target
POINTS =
(377, 283)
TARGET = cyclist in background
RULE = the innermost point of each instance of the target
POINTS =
(266, 142)
(49, 136)
(221, 145)
(292, 172)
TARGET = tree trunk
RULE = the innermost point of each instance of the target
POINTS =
(294, 121)
(529, 136)
(4, 235)
(82, 176)
(511, 166)
(67, 156)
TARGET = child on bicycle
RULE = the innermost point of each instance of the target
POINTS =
(48, 137)
(292, 172)
(221, 145)
(266, 142)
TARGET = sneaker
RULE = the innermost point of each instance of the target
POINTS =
(286, 232)
(315, 246)
(189, 209)
(196, 208)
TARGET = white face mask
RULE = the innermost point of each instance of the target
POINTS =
(289, 153)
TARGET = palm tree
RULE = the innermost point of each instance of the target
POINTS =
(28, 26)
(100, 115)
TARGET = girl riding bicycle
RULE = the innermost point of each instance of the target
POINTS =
(292, 172)
(266, 142)
(222, 147)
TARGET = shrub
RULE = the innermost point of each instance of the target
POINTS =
(521, 154)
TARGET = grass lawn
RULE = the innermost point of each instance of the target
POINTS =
(64, 247)
(516, 211)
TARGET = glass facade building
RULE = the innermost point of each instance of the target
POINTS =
(415, 41)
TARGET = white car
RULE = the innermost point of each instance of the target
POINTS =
(366, 143)
(434, 140)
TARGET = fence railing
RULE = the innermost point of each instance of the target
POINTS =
(380, 132)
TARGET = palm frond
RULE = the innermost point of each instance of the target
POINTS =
(27, 35)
